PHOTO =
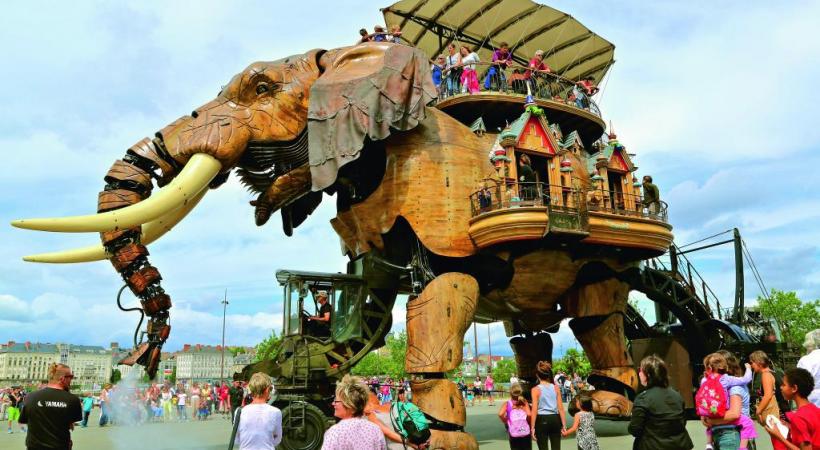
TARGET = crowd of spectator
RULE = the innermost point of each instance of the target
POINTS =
(126, 403)
(457, 72)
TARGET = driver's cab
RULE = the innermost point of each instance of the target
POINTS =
(303, 305)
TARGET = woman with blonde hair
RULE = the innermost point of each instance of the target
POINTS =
(515, 415)
(260, 424)
(547, 424)
(768, 402)
(352, 432)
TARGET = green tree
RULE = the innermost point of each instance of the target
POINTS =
(369, 366)
(573, 361)
(504, 369)
(794, 317)
(173, 377)
(396, 351)
(268, 348)
(116, 376)
(388, 361)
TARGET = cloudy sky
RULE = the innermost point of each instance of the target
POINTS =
(717, 99)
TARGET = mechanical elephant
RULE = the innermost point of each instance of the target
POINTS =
(285, 127)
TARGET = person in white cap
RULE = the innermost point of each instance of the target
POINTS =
(378, 34)
(811, 362)
(322, 319)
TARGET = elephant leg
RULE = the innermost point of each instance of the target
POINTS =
(598, 325)
(436, 322)
(528, 350)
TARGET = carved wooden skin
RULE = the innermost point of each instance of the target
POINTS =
(430, 175)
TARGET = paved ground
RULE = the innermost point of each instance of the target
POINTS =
(213, 435)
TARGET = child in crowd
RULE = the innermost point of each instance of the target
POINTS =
(515, 415)
(156, 411)
(204, 409)
(583, 422)
(716, 366)
(803, 424)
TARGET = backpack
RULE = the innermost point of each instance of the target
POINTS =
(517, 423)
(710, 400)
(410, 423)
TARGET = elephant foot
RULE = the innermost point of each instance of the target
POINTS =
(607, 404)
(452, 440)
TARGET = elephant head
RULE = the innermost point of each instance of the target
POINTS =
(286, 126)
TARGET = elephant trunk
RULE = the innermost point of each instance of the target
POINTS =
(129, 182)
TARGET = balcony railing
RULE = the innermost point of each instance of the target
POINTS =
(514, 79)
(564, 207)
(565, 204)
(625, 204)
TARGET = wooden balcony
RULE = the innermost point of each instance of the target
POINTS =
(513, 211)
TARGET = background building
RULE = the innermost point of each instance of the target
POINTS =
(27, 363)
(203, 363)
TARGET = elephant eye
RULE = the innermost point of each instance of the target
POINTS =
(261, 88)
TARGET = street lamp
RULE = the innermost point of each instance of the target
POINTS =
(224, 310)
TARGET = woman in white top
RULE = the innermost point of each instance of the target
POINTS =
(260, 424)
(469, 77)
(452, 69)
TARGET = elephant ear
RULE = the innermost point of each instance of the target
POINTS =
(364, 92)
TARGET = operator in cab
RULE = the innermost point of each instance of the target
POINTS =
(320, 323)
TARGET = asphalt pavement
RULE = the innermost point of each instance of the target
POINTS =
(213, 434)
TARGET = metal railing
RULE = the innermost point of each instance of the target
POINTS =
(561, 199)
(564, 204)
(509, 195)
(681, 269)
(625, 204)
(514, 79)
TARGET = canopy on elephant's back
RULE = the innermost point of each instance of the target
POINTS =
(570, 49)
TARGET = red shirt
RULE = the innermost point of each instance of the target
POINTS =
(537, 65)
(805, 426)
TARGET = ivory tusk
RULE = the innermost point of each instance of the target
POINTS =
(151, 231)
(199, 171)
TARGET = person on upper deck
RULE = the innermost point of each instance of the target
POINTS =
(452, 69)
(584, 89)
(395, 34)
(378, 34)
(502, 58)
(469, 77)
(364, 36)
(437, 71)
(651, 196)
(536, 69)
